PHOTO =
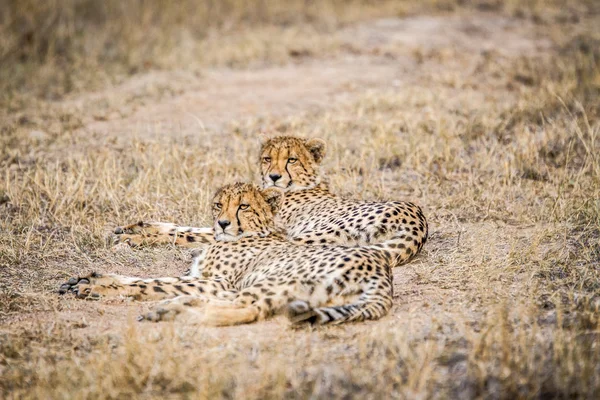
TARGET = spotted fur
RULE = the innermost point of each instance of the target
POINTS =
(252, 272)
(310, 213)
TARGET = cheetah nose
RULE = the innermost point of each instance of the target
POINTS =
(119, 231)
(274, 177)
(224, 224)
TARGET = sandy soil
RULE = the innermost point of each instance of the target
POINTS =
(378, 55)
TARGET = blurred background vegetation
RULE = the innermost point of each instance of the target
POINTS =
(51, 48)
(77, 43)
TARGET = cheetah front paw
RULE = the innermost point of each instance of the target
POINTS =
(141, 233)
(165, 312)
(82, 287)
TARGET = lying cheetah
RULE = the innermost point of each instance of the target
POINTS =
(252, 271)
(310, 213)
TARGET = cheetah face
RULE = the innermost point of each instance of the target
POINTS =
(291, 163)
(242, 210)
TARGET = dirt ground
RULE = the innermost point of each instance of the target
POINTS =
(382, 54)
(463, 114)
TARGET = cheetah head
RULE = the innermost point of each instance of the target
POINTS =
(291, 163)
(242, 210)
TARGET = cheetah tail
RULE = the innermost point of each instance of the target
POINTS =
(299, 312)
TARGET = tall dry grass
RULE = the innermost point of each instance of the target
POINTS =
(53, 48)
(504, 302)
(76, 45)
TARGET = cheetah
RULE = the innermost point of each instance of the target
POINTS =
(252, 271)
(310, 213)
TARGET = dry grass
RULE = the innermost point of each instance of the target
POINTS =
(76, 45)
(500, 147)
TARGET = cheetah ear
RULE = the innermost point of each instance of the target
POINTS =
(273, 197)
(265, 139)
(264, 135)
(317, 148)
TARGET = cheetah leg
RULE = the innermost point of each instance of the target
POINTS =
(202, 311)
(184, 308)
(199, 300)
(407, 238)
(195, 269)
(230, 308)
(250, 305)
(95, 286)
(156, 233)
(373, 303)
(224, 315)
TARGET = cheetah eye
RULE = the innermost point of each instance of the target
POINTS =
(244, 206)
(218, 206)
(266, 159)
(292, 160)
